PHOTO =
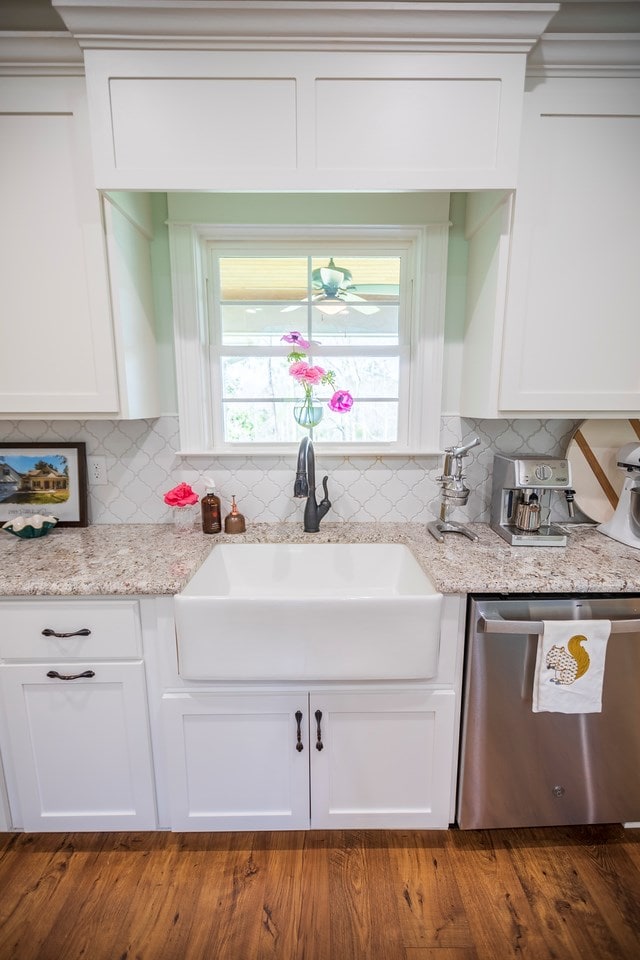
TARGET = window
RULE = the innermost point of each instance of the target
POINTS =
(352, 313)
(370, 304)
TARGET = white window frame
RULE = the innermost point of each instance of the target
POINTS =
(199, 402)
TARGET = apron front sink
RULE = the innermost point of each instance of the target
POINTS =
(308, 612)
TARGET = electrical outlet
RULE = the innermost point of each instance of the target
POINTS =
(97, 470)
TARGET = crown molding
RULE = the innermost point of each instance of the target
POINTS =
(585, 54)
(35, 53)
(305, 24)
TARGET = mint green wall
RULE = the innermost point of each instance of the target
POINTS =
(161, 270)
(455, 305)
(289, 208)
(307, 208)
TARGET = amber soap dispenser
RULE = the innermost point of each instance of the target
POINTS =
(210, 505)
(234, 521)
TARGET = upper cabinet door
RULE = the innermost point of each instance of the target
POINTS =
(572, 329)
(58, 354)
(312, 120)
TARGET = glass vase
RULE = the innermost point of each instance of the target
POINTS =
(186, 518)
(309, 414)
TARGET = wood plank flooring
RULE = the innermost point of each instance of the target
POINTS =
(544, 894)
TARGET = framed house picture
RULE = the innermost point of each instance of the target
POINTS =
(49, 478)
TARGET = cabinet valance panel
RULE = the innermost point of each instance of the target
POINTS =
(293, 120)
(408, 124)
(192, 124)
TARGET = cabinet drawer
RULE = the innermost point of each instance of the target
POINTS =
(114, 630)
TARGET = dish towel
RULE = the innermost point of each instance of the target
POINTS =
(570, 666)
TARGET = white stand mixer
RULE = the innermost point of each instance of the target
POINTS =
(624, 525)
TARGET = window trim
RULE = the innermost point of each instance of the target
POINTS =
(189, 251)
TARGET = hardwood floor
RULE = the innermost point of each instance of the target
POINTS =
(544, 894)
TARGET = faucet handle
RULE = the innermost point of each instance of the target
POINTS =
(325, 500)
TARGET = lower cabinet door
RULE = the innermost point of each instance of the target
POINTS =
(80, 748)
(385, 759)
(236, 761)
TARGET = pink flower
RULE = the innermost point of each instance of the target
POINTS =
(341, 401)
(181, 496)
(297, 338)
(306, 374)
(298, 369)
(314, 375)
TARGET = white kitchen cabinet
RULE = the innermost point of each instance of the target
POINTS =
(386, 760)
(5, 816)
(233, 761)
(305, 120)
(322, 97)
(552, 322)
(61, 354)
(250, 760)
(75, 730)
(79, 747)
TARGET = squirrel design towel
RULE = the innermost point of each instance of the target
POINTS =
(570, 666)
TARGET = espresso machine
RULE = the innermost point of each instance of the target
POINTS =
(520, 499)
(624, 525)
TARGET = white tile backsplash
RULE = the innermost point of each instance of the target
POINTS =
(142, 465)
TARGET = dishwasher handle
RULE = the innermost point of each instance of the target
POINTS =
(527, 627)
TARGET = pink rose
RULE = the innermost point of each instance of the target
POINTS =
(298, 369)
(341, 401)
(314, 375)
(306, 374)
(181, 496)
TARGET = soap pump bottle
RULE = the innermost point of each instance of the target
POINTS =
(234, 521)
(210, 505)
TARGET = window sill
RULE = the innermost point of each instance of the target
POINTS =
(321, 449)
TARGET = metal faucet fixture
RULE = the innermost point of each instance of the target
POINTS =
(454, 492)
(305, 486)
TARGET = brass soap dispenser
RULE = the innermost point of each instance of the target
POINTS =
(234, 522)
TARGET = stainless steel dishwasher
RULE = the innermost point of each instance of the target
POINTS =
(519, 768)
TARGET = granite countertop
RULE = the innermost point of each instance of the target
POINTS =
(159, 559)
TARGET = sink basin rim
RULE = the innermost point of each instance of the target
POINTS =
(297, 571)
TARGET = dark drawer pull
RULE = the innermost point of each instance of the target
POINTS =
(319, 743)
(70, 676)
(299, 746)
(47, 632)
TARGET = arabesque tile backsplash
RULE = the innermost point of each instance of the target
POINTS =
(142, 465)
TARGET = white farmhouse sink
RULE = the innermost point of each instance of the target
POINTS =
(308, 612)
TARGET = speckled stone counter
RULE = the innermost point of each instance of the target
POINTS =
(147, 559)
